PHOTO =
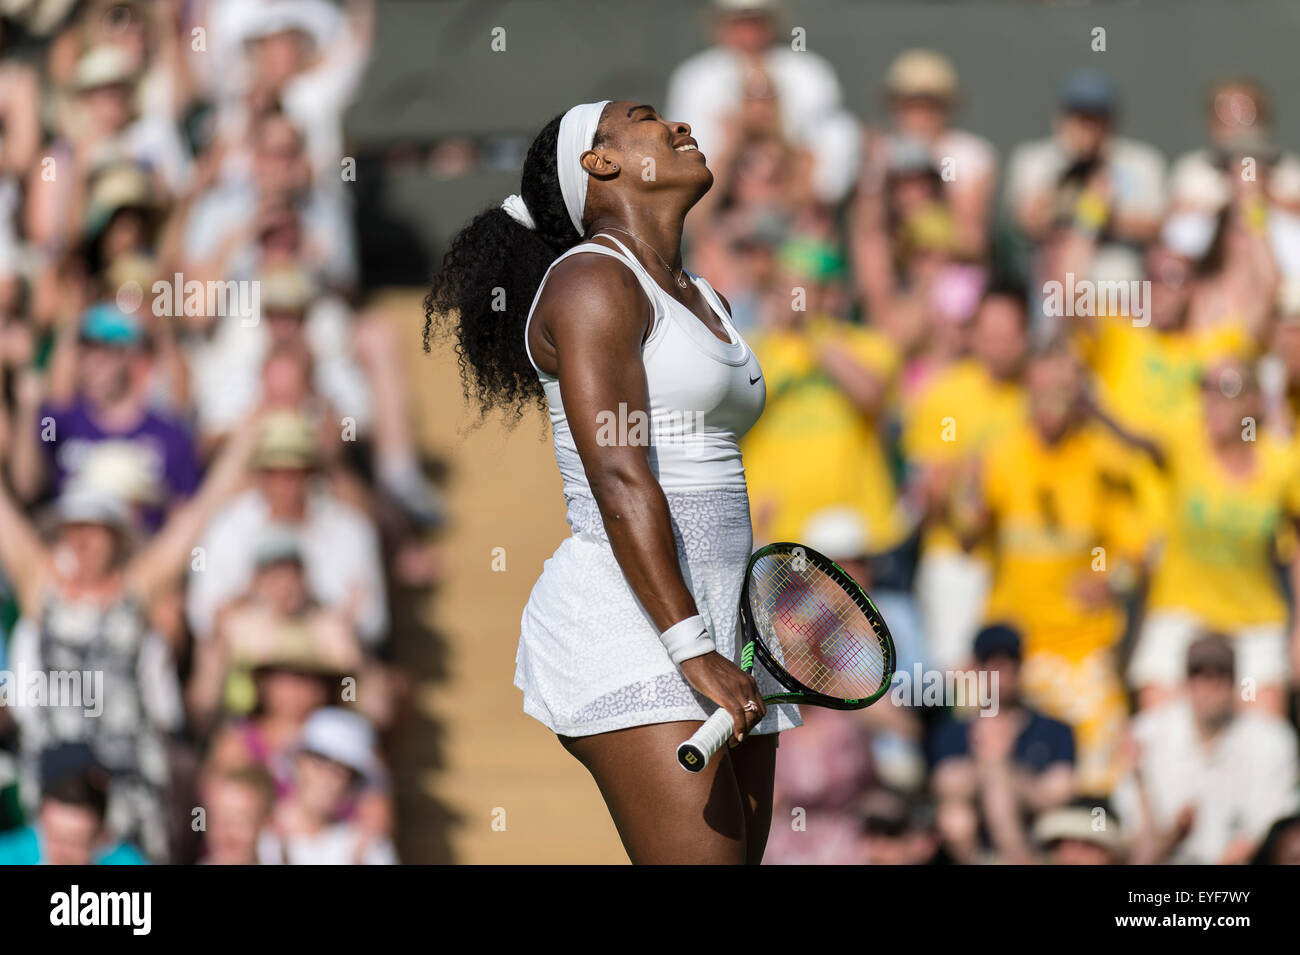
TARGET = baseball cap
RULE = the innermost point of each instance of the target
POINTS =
(737, 7)
(1078, 822)
(344, 737)
(277, 545)
(106, 324)
(271, 19)
(1211, 651)
(1089, 91)
(286, 287)
(838, 532)
(997, 639)
(921, 73)
(81, 504)
(103, 66)
(908, 157)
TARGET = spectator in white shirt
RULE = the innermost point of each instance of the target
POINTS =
(227, 367)
(707, 89)
(223, 232)
(1208, 778)
(1239, 125)
(335, 758)
(302, 55)
(921, 93)
(340, 546)
(109, 128)
(1110, 185)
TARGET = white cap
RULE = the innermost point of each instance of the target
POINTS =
(838, 532)
(119, 469)
(81, 504)
(1189, 234)
(746, 6)
(1078, 823)
(344, 737)
(274, 18)
(103, 66)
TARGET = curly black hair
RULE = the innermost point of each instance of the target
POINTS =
(487, 281)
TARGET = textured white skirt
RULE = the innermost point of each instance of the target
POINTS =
(590, 660)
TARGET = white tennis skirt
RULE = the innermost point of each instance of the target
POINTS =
(590, 660)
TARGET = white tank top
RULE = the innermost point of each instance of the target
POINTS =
(704, 393)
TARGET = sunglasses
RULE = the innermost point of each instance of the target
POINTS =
(1211, 670)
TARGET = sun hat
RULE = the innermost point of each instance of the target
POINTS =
(287, 440)
(345, 738)
(919, 72)
(103, 66)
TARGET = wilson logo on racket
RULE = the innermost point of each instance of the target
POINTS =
(747, 656)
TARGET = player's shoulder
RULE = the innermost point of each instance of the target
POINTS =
(592, 292)
(586, 278)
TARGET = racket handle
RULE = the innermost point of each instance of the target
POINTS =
(695, 753)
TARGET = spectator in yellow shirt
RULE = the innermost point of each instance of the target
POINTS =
(819, 442)
(1233, 486)
(1061, 502)
(954, 419)
(1149, 374)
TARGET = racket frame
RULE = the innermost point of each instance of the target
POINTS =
(694, 754)
(797, 692)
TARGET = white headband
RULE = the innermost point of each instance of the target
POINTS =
(577, 130)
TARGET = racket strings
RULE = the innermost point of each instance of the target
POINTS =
(814, 629)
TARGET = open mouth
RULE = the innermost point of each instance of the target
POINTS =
(688, 147)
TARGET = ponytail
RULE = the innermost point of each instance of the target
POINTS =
(487, 280)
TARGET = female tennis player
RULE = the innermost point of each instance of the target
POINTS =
(573, 294)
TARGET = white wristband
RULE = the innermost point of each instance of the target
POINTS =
(687, 639)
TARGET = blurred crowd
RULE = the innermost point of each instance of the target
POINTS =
(1044, 407)
(210, 489)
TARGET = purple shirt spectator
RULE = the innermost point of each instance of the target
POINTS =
(167, 446)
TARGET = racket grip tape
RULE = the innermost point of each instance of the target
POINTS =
(695, 753)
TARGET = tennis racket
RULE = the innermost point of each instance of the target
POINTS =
(814, 629)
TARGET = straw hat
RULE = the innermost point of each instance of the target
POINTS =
(922, 73)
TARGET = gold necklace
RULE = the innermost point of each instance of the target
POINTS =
(680, 277)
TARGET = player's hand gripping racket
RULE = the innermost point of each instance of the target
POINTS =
(814, 629)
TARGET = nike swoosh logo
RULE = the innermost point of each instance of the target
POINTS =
(755, 380)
